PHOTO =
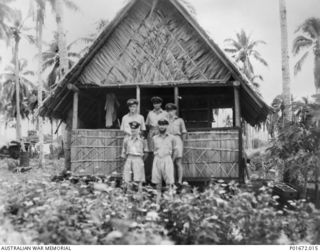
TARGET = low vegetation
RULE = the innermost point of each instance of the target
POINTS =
(43, 207)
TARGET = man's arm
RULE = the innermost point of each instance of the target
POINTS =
(183, 130)
(124, 149)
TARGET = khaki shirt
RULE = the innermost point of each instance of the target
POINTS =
(134, 146)
(164, 145)
(130, 118)
(154, 116)
(176, 126)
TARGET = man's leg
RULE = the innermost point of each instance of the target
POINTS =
(179, 165)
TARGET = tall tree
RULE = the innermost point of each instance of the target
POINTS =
(51, 61)
(309, 42)
(57, 7)
(17, 30)
(286, 91)
(9, 91)
(6, 13)
(38, 9)
(243, 50)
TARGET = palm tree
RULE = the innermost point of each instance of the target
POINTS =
(243, 50)
(286, 92)
(38, 8)
(9, 90)
(309, 42)
(51, 61)
(57, 7)
(5, 15)
(17, 31)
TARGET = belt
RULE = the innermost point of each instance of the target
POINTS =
(135, 156)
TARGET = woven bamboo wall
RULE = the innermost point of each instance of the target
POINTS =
(212, 154)
(96, 152)
(206, 154)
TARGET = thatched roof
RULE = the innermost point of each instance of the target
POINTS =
(152, 43)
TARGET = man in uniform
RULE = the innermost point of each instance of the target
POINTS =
(134, 150)
(152, 120)
(132, 116)
(178, 129)
(152, 126)
(164, 149)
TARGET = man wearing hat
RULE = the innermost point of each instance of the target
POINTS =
(164, 149)
(152, 119)
(133, 150)
(132, 116)
(178, 129)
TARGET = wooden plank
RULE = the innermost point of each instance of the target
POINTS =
(75, 110)
(176, 98)
(237, 111)
(138, 97)
(182, 83)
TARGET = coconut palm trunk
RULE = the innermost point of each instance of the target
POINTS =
(286, 92)
(63, 56)
(63, 53)
(17, 83)
(317, 66)
(40, 119)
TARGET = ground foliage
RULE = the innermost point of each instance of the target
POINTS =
(45, 207)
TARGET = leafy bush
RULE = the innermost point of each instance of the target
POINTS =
(91, 210)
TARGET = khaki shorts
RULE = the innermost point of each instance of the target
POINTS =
(162, 169)
(134, 167)
(179, 147)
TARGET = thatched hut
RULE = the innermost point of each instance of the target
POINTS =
(156, 48)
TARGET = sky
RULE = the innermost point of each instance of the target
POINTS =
(220, 18)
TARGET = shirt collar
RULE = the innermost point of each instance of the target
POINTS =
(158, 111)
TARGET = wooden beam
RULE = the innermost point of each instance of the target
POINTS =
(138, 97)
(164, 84)
(237, 111)
(75, 110)
(176, 98)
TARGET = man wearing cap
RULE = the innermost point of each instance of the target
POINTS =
(152, 119)
(132, 116)
(164, 149)
(177, 128)
(133, 150)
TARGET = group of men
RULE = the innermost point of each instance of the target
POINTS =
(165, 133)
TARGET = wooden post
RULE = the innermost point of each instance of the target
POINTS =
(176, 98)
(237, 112)
(75, 110)
(138, 97)
(237, 119)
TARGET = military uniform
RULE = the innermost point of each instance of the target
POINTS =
(163, 168)
(133, 150)
(125, 127)
(176, 128)
(152, 122)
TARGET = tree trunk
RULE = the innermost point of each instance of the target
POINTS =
(317, 67)
(63, 53)
(64, 65)
(17, 80)
(285, 62)
(40, 119)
